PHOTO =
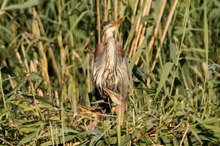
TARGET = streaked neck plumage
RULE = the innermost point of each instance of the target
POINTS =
(110, 45)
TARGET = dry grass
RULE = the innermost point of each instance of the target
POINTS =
(45, 81)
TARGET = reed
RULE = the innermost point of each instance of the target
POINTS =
(46, 92)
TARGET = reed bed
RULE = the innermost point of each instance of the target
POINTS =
(46, 92)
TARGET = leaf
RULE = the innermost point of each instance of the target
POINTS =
(173, 52)
(34, 77)
(166, 71)
(195, 134)
(70, 130)
(27, 4)
(186, 141)
(6, 30)
(94, 140)
(94, 131)
(169, 104)
(139, 74)
(125, 140)
(28, 138)
(134, 58)
(58, 132)
(146, 18)
(99, 143)
(30, 129)
(60, 141)
(212, 128)
(210, 121)
(175, 141)
(76, 22)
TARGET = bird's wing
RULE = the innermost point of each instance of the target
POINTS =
(120, 50)
(125, 59)
(127, 80)
(97, 57)
(96, 61)
(99, 52)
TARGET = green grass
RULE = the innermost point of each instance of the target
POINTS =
(45, 72)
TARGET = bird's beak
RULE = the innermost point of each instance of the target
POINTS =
(116, 23)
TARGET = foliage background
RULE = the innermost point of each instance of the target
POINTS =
(45, 80)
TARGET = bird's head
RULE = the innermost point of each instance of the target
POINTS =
(110, 27)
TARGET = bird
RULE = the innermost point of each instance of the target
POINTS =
(110, 69)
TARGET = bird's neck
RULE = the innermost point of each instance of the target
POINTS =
(111, 56)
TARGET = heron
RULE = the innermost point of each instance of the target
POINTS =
(111, 72)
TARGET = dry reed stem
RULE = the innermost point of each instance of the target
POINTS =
(24, 58)
(51, 133)
(50, 51)
(88, 87)
(35, 60)
(140, 29)
(106, 2)
(139, 18)
(73, 87)
(13, 83)
(43, 60)
(136, 34)
(14, 20)
(197, 73)
(145, 13)
(56, 97)
(18, 57)
(134, 11)
(5, 141)
(205, 68)
(62, 54)
(2, 91)
(27, 36)
(185, 133)
(116, 13)
(143, 28)
(169, 19)
(63, 68)
(154, 37)
(142, 35)
(27, 67)
(54, 63)
(116, 10)
(3, 6)
(63, 123)
(98, 22)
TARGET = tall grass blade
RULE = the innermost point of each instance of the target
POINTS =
(165, 72)
(27, 4)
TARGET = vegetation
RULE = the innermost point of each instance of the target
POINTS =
(45, 72)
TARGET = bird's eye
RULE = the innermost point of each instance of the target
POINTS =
(104, 23)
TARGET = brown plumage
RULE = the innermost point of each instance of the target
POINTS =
(110, 66)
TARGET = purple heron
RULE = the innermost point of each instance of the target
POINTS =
(111, 71)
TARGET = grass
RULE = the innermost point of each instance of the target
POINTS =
(45, 72)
